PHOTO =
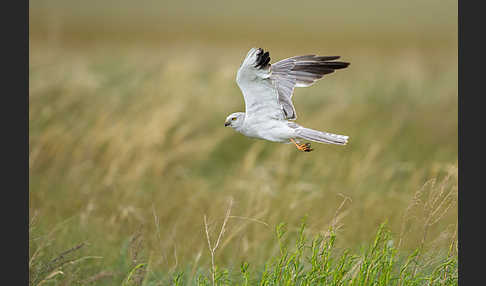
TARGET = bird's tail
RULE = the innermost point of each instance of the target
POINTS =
(321, 137)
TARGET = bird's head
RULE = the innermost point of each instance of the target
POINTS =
(235, 120)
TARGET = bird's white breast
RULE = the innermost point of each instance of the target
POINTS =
(268, 129)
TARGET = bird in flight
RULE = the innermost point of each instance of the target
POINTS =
(267, 90)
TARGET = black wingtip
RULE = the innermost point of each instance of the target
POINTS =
(338, 65)
(263, 59)
(328, 61)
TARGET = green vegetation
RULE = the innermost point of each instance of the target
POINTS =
(132, 174)
(310, 262)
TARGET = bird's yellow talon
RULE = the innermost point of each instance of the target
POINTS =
(302, 147)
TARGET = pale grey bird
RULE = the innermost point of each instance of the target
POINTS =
(267, 90)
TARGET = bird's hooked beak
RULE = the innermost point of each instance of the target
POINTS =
(227, 123)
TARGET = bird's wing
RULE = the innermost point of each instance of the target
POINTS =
(267, 89)
(300, 71)
(259, 91)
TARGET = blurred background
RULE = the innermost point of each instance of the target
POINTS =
(127, 101)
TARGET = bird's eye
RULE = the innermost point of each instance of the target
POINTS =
(234, 118)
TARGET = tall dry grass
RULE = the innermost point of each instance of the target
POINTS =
(115, 140)
(127, 148)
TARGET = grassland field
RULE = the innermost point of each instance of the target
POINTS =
(128, 153)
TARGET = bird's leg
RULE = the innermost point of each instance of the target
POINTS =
(302, 147)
